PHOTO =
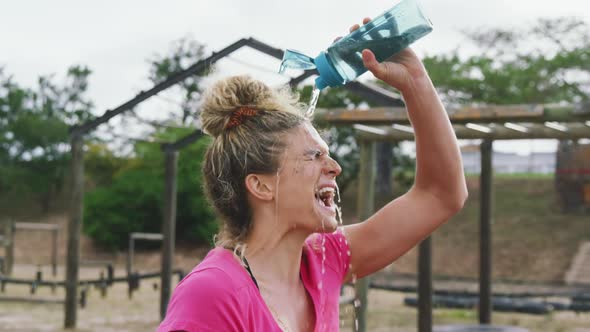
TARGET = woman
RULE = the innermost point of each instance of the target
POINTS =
(281, 258)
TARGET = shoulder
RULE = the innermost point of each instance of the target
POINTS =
(207, 281)
(211, 296)
(330, 248)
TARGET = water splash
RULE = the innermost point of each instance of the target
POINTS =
(356, 303)
(315, 96)
(338, 207)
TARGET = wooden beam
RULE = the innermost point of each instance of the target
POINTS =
(465, 114)
(33, 226)
(8, 246)
(170, 81)
(74, 223)
(168, 230)
(365, 208)
(147, 236)
(485, 233)
(497, 132)
(184, 141)
(54, 235)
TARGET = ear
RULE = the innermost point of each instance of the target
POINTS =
(260, 186)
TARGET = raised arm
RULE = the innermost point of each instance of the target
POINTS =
(439, 190)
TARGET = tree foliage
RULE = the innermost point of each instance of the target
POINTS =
(545, 63)
(182, 54)
(34, 131)
(133, 199)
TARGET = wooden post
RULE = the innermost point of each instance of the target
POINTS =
(365, 207)
(425, 286)
(168, 229)
(485, 221)
(74, 223)
(54, 252)
(130, 253)
(9, 246)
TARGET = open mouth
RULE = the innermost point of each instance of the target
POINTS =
(325, 197)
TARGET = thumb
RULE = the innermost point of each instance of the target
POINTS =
(372, 64)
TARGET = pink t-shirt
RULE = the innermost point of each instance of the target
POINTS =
(219, 294)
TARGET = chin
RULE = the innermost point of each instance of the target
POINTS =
(326, 225)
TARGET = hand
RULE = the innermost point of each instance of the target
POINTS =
(401, 70)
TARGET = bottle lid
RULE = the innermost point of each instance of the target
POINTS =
(328, 74)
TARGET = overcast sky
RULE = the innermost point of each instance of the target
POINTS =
(115, 38)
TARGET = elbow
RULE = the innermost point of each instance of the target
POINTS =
(457, 200)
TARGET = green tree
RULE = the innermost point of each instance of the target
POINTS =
(182, 53)
(547, 62)
(34, 132)
(133, 200)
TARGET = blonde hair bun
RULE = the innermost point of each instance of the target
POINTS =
(225, 96)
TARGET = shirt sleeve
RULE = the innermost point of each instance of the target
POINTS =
(337, 252)
(204, 303)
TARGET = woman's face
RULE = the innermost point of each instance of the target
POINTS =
(307, 182)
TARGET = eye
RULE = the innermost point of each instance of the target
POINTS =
(318, 154)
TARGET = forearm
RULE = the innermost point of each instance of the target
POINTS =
(439, 168)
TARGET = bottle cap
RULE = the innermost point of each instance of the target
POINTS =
(328, 74)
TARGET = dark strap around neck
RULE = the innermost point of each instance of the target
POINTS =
(250, 272)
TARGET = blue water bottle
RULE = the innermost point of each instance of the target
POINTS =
(385, 35)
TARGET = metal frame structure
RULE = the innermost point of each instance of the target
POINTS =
(487, 123)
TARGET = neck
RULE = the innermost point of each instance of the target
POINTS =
(274, 251)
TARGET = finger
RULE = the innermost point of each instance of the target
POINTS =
(366, 20)
(337, 39)
(372, 64)
(354, 27)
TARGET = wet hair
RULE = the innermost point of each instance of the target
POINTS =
(248, 122)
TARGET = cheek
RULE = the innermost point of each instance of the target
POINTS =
(310, 172)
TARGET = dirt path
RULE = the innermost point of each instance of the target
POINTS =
(141, 313)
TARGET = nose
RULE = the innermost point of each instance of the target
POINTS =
(332, 167)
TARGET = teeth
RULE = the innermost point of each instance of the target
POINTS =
(325, 190)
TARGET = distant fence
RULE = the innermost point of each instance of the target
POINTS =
(102, 283)
(7, 240)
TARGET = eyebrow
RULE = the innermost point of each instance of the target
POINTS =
(308, 152)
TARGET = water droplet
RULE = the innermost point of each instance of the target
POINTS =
(348, 252)
(338, 207)
(320, 285)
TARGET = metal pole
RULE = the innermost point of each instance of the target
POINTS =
(365, 207)
(168, 229)
(425, 286)
(485, 221)
(74, 223)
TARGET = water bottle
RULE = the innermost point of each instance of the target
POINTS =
(385, 35)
